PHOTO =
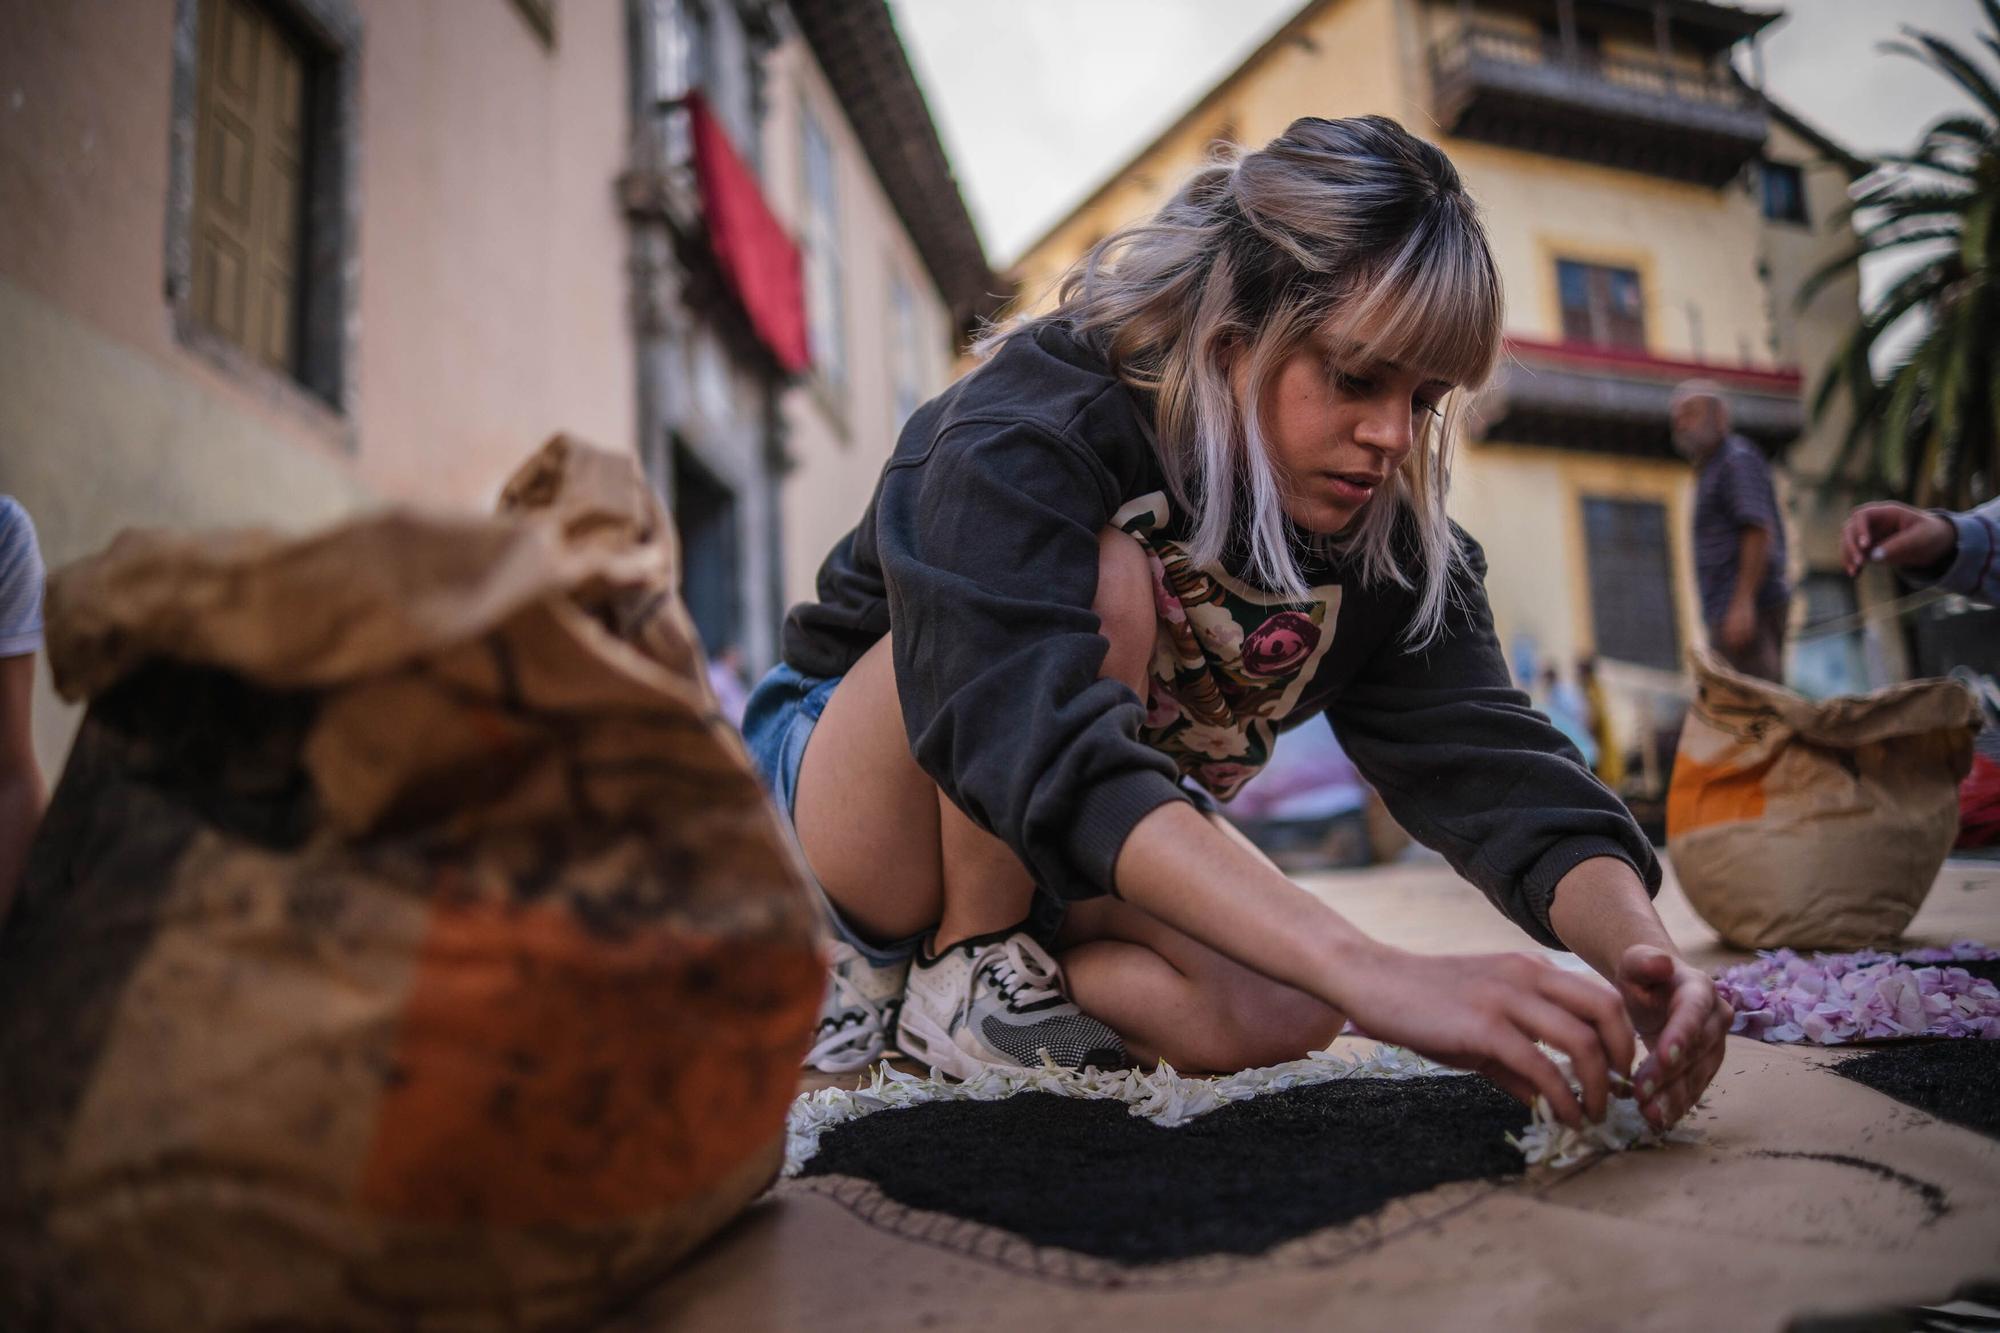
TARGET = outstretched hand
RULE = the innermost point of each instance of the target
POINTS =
(1896, 535)
(1675, 1008)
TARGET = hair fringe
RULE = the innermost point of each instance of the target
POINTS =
(1345, 222)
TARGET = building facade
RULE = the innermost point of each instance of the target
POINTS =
(266, 261)
(895, 274)
(1615, 154)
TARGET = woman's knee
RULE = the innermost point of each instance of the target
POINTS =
(1263, 1022)
(1124, 606)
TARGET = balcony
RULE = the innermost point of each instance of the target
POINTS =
(1611, 400)
(1519, 90)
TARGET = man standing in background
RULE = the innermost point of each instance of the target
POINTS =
(20, 639)
(1739, 536)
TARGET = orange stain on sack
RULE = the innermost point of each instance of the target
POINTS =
(545, 1072)
(1718, 793)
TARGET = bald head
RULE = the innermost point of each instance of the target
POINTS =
(1700, 416)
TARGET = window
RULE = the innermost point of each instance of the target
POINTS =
(682, 40)
(1632, 582)
(1601, 305)
(250, 165)
(705, 516)
(1784, 192)
(1830, 654)
(261, 210)
(822, 250)
(907, 355)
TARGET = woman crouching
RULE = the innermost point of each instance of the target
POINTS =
(1199, 503)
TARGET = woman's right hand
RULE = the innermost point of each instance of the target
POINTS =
(1485, 1012)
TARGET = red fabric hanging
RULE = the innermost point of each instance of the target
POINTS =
(749, 242)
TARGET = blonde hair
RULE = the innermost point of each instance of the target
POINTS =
(1336, 226)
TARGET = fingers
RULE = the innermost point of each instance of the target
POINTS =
(1681, 1093)
(1859, 535)
(1515, 1061)
(1598, 1005)
(1666, 1091)
(1555, 1026)
(1872, 526)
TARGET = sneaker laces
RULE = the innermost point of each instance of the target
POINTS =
(851, 1045)
(1026, 975)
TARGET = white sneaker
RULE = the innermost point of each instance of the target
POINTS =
(858, 1014)
(997, 1000)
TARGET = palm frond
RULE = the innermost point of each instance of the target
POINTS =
(1943, 56)
(1848, 259)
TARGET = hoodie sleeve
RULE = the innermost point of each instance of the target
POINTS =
(1467, 765)
(988, 546)
(1972, 569)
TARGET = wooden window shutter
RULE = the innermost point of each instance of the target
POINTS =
(249, 180)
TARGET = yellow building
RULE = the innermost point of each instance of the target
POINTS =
(1619, 161)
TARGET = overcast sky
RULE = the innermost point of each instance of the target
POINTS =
(1038, 100)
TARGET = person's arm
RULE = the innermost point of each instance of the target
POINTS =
(21, 792)
(988, 543)
(1470, 769)
(1753, 555)
(1602, 913)
(1955, 552)
(1483, 1012)
(1466, 764)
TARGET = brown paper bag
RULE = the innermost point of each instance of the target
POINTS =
(408, 944)
(1815, 825)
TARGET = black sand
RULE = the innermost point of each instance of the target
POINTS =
(1955, 1079)
(1091, 1177)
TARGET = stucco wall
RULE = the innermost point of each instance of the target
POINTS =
(1695, 249)
(491, 299)
(493, 286)
(838, 440)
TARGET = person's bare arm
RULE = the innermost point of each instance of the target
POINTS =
(1753, 557)
(1483, 1012)
(21, 792)
(1601, 912)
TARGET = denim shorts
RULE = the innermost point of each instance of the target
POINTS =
(777, 721)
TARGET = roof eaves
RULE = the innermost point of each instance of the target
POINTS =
(862, 58)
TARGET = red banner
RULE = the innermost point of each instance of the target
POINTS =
(749, 242)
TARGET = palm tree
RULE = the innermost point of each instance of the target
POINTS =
(1933, 425)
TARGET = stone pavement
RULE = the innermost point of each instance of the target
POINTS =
(1805, 1195)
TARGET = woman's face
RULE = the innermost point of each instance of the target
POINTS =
(1337, 428)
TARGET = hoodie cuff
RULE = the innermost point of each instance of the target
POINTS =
(1105, 817)
(1966, 571)
(1538, 886)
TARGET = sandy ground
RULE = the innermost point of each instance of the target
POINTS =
(1747, 1229)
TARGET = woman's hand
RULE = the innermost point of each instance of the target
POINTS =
(1896, 534)
(1675, 1008)
(1485, 1012)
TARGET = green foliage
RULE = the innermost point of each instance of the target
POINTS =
(1929, 432)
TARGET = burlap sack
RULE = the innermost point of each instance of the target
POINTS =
(1815, 825)
(408, 945)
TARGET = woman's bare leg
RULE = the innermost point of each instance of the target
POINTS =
(897, 857)
(866, 815)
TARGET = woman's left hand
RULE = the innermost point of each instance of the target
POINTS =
(1684, 1022)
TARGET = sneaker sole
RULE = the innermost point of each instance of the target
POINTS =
(920, 1038)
